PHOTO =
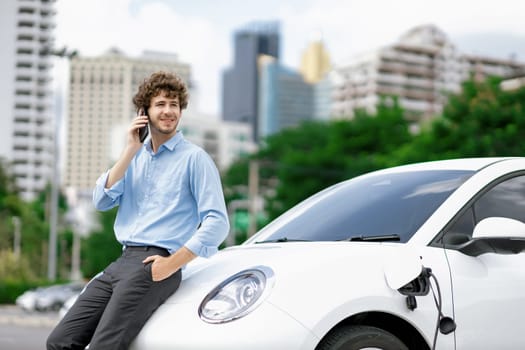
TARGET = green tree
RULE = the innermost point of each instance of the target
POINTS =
(32, 218)
(483, 120)
(235, 180)
(31, 227)
(101, 246)
(10, 206)
(317, 154)
(14, 267)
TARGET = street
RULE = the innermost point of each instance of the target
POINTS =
(21, 330)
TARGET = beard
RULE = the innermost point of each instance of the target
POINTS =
(164, 127)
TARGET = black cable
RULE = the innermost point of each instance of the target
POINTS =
(438, 303)
(451, 287)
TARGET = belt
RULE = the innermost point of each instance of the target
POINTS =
(144, 247)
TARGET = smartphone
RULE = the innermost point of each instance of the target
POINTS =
(143, 132)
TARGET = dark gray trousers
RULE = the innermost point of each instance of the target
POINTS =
(114, 306)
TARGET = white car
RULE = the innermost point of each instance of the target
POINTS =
(50, 298)
(423, 256)
(67, 305)
(27, 300)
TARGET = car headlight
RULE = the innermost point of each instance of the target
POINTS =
(237, 296)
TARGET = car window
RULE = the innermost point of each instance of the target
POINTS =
(384, 204)
(505, 199)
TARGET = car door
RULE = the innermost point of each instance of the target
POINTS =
(488, 290)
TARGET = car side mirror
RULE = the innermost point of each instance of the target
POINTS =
(499, 227)
(496, 235)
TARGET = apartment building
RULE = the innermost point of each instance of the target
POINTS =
(420, 69)
(26, 92)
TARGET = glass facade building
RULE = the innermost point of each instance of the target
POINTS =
(285, 99)
(240, 82)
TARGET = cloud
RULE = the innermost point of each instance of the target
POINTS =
(350, 27)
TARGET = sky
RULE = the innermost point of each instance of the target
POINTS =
(201, 32)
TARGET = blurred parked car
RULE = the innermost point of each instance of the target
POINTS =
(27, 300)
(423, 256)
(49, 298)
(67, 305)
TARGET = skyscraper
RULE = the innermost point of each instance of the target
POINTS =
(316, 70)
(26, 96)
(240, 82)
(315, 62)
(285, 99)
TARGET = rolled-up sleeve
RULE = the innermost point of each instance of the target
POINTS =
(207, 190)
(214, 229)
(107, 198)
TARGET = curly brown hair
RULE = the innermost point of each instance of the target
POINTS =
(161, 82)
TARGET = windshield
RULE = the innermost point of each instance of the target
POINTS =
(378, 205)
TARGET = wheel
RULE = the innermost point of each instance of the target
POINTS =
(360, 338)
(56, 306)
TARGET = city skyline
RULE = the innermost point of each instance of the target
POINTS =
(203, 36)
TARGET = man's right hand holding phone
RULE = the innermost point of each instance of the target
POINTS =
(133, 146)
(139, 128)
(143, 131)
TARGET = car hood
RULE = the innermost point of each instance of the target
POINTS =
(395, 262)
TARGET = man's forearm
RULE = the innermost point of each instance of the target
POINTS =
(164, 267)
(181, 257)
(119, 169)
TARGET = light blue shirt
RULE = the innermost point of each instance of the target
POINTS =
(168, 199)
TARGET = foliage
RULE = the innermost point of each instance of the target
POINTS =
(15, 276)
(101, 247)
(316, 155)
(481, 121)
(14, 267)
(10, 289)
(235, 181)
(33, 225)
(10, 206)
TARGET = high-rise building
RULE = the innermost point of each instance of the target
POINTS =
(240, 82)
(288, 97)
(420, 69)
(26, 94)
(322, 97)
(316, 69)
(285, 99)
(100, 109)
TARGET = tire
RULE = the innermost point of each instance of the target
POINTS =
(360, 338)
(56, 306)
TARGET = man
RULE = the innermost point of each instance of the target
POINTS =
(171, 209)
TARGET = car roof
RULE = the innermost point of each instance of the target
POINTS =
(467, 164)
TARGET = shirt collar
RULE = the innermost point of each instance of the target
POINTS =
(169, 145)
